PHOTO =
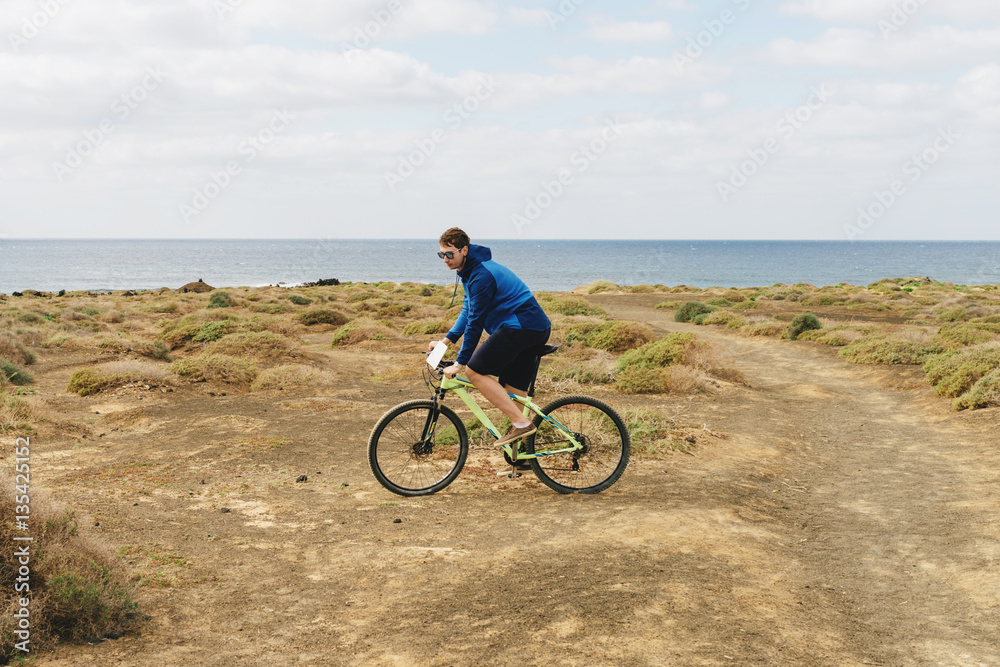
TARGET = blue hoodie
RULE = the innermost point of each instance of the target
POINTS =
(494, 298)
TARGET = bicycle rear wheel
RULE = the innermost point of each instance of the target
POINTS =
(598, 428)
(413, 454)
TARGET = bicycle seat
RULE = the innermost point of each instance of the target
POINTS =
(542, 350)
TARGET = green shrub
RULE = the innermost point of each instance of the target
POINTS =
(599, 286)
(323, 316)
(164, 307)
(723, 318)
(802, 322)
(435, 327)
(883, 350)
(299, 300)
(212, 331)
(984, 393)
(690, 309)
(393, 310)
(640, 380)
(617, 336)
(14, 375)
(255, 344)
(956, 314)
(954, 336)
(667, 305)
(719, 302)
(216, 367)
(571, 306)
(271, 307)
(219, 299)
(355, 297)
(78, 590)
(954, 373)
(672, 349)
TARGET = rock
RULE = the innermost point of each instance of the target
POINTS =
(198, 286)
(226, 510)
(323, 282)
(397, 521)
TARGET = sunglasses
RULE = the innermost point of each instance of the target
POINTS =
(447, 255)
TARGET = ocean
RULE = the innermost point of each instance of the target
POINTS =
(556, 265)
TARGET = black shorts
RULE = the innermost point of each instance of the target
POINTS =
(505, 354)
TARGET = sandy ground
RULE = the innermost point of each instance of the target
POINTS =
(848, 518)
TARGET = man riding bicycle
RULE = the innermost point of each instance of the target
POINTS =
(499, 302)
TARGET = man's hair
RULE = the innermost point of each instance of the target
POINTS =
(455, 237)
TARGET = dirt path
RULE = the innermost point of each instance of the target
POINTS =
(842, 522)
(898, 497)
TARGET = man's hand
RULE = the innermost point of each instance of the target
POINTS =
(454, 370)
(431, 345)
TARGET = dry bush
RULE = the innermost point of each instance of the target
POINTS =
(260, 345)
(983, 394)
(114, 374)
(324, 316)
(359, 331)
(569, 305)
(14, 351)
(16, 415)
(579, 364)
(617, 336)
(763, 326)
(723, 318)
(954, 336)
(289, 375)
(216, 368)
(600, 286)
(955, 373)
(880, 349)
(426, 327)
(78, 589)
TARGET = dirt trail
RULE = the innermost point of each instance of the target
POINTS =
(899, 497)
(842, 522)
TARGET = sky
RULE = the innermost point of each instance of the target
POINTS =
(573, 119)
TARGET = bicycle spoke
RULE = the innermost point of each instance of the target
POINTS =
(600, 432)
(407, 463)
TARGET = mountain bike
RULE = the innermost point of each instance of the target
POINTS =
(419, 447)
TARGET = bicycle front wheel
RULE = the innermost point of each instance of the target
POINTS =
(596, 426)
(412, 452)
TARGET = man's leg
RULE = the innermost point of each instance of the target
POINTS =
(497, 395)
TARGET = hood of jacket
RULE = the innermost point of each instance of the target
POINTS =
(477, 255)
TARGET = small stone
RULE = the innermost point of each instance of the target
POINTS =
(226, 510)
(397, 521)
(301, 478)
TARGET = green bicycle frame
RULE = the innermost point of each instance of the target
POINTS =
(460, 386)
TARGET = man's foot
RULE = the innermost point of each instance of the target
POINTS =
(514, 434)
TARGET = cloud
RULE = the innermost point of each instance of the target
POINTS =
(872, 11)
(714, 100)
(630, 32)
(936, 46)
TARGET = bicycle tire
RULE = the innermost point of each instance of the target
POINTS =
(405, 464)
(606, 446)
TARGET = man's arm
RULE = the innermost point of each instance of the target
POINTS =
(482, 291)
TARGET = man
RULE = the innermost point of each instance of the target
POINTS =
(498, 302)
